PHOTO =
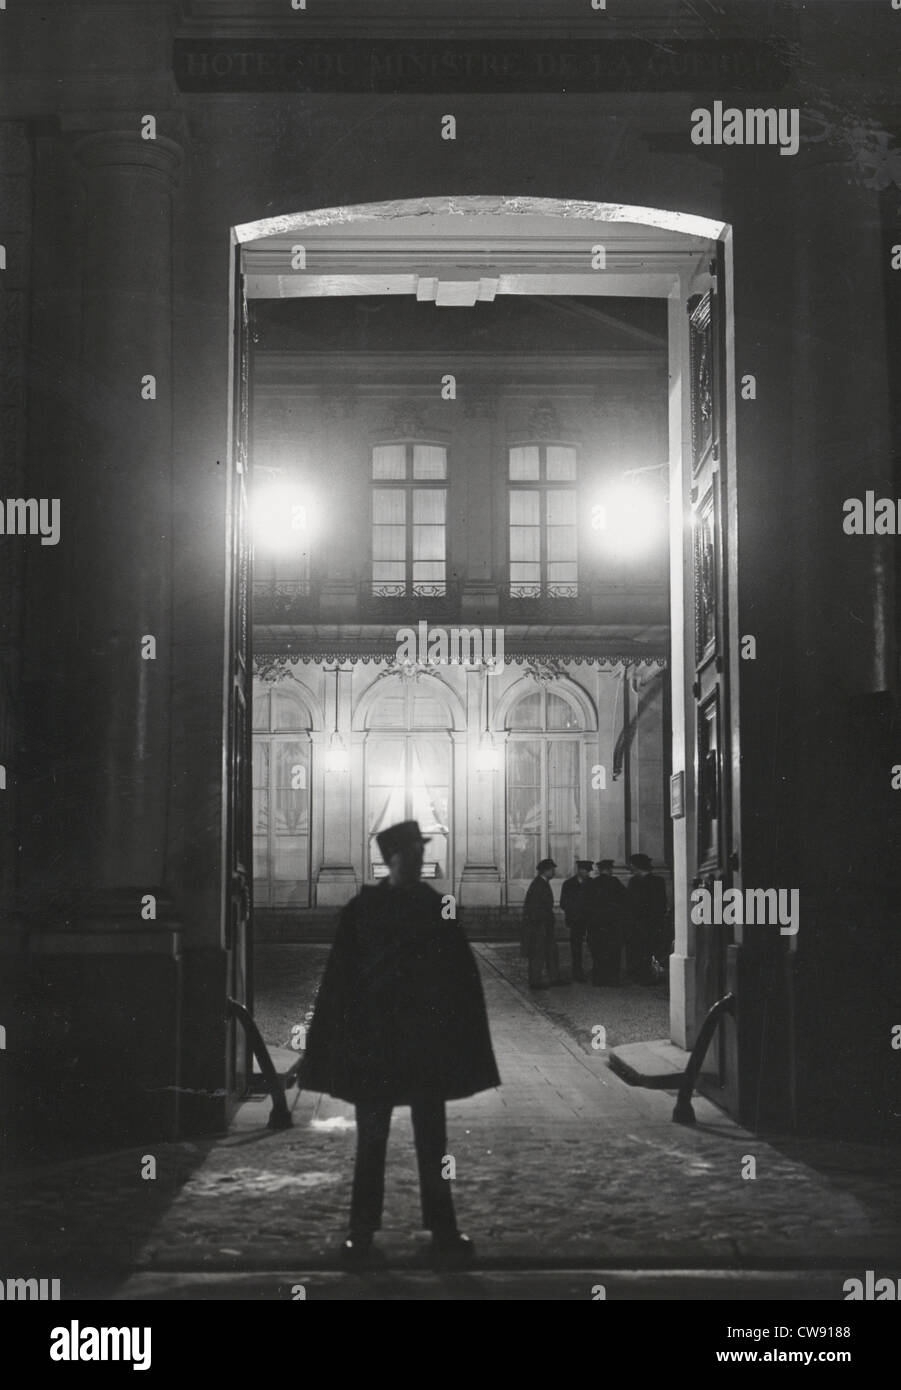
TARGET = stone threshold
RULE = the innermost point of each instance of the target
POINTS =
(658, 1065)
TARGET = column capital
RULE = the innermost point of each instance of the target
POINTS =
(128, 149)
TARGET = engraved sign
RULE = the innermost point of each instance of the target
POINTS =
(467, 65)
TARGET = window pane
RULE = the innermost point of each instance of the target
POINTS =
(564, 850)
(560, 713)
(525, 543)
(428, 542)
(389, 543)
(524, 801)
(288, 710)
(525, 463)
(389, 461)
(260, 784)
(289, 872)
(562, 543)
(389, 581)
(525, 508)
(389, 506)
(563, 763)
(429, 763)
(562, 574)
(525, 714)
(561, 463)
(428, 711)
(561, 507)
(261, 870)
(291, 763)
(429, 461)
(261, 709)
(429, 506)
(563, 798)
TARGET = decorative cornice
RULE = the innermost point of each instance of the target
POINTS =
(271, 666)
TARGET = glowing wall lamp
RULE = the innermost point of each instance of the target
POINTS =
(488, 758)
(280, 518)
(632, 517)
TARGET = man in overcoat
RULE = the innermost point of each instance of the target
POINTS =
(400, 1020)
(647, 919)
(575, 896)
(607, 912)
(539, 943)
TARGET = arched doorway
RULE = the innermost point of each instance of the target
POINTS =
(469, 251)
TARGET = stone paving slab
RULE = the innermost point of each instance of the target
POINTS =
(564, 1166)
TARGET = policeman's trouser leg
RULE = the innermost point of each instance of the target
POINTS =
(368, 1196)
(551, 955)
(430, 1137)
(575, 950)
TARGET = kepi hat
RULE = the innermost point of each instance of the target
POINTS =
(399, 837)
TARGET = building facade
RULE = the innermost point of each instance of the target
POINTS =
(447, 625)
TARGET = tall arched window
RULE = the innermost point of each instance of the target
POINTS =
(408, 771)
(544, 783)
(281, 797)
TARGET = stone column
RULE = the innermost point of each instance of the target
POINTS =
(480, 884)
(844, 599)
(117, 513)
(336, 881)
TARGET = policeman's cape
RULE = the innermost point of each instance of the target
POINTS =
(400, 1012)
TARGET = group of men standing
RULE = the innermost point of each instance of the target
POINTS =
(602, 912)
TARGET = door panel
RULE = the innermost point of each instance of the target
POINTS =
(707, 646)
(239, 753)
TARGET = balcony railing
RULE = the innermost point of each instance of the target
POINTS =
(284, 600)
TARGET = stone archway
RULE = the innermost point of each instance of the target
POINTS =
(465, 250)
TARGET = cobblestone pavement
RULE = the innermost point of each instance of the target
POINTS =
(564, 1167)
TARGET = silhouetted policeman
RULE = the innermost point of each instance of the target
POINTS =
(647, 919)
(400, 1020)
(607, 913)
(574, 900)
(539, 943)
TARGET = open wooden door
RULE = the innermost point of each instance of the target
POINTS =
(238, 866)
(707, 639)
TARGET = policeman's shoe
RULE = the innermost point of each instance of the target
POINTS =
(561, 982)
(359, 1252)
(451, 1250)
(541, 986)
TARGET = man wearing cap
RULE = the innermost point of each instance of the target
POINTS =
(647, 919)
(575, 896)
(400, 1020)
(607, 920)
(539, 927)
